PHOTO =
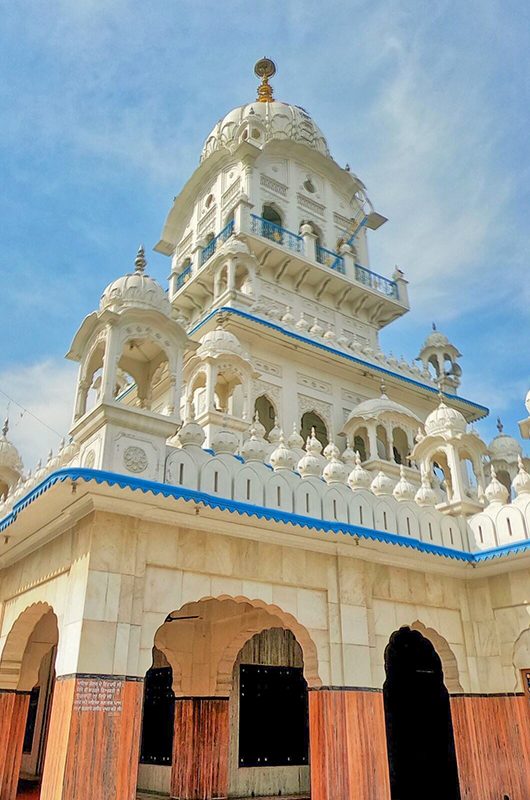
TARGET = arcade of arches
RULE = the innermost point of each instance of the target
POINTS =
(192, 664)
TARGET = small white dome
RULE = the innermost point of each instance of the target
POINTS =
(260, 123)
(445, 420)
(527, 401)
(281, 457)
(505, 448)
(309, 466)
(9, 455)
(136, 290)
(382, 484)
(221, 342)
(521, 482)
(495, 491)
(378, 406)
(334, 471)
(359, 477)
(191, 433)
(435, 339)
(404, 489)
(254, 448)
(425, 496)
(224, 441)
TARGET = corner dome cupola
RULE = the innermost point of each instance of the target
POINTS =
(135, 290)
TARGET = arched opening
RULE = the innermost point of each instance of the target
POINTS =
(312, 420)
(243, 282)
(229, 393)
(400, 446)
(266, 412)
(269, 725)
(504, 477)
(220, 649)
(158, 713)
(360, 443)
(197, 393)
(442, 475)
(381, 439)
(421, 749)
(28, 665)
(272, 214)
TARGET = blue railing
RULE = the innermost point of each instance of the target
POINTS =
(183, 276)
(330, 259)
(208, 251)
(376, 282)
(269, 230)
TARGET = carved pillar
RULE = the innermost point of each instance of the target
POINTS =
(94, 739)
(372, 440)
(110, 364)
(200, 748)
(13, 714)
(455, 467)
(347, 738)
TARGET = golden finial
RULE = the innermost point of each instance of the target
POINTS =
(265, 68)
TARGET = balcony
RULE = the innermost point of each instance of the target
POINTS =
(183, 277)
(376, 282)
(276, 234)
(330, 259)
(302, 265)
(208, 251)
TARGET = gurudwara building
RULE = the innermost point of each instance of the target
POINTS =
(271, 559)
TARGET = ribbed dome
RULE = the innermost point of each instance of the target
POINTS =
(10, 462)
(259, 123)
(436, 339)
(221, 342)
(9, 455)
(445, 419)
(373, 409)
(136, 289)
(505, 448)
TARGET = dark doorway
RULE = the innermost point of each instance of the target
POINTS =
(158, 717)
(419, 729)
(273, 716)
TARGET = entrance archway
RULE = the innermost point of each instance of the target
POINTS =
(205, 643)
(421, 749)
(269, 722)
(27, 669)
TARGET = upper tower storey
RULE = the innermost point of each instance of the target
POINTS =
(269, 216)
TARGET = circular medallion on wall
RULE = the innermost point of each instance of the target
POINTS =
(135, 459)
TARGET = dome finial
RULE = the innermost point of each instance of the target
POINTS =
(140, 262)
(434, 326)
(265, 68)
(5, 427)
(500, 426)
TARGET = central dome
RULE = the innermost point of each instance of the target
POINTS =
(259, 123)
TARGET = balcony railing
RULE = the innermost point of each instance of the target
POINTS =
(183, 276)
(330, 259)
(269, 230)
(376, 282)
(208, 251)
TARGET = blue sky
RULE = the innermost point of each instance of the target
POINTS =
(105, 104)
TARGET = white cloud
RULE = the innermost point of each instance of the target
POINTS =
(46, 389)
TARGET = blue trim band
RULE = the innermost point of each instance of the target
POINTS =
(482, 410)
(247, 509)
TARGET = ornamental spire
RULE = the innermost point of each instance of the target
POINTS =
(500, 426)
(265, 68)
(5, 427)
(140, 262)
